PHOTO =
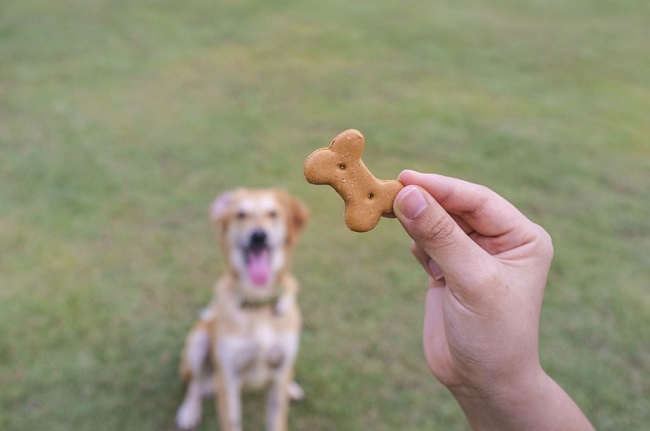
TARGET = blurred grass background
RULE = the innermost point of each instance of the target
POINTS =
(120, 122)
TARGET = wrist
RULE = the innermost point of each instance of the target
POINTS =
(496, 405)
(535, 402)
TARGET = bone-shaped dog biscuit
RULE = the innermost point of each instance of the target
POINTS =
(340, 166)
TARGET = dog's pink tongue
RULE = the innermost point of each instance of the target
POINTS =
(259, 268)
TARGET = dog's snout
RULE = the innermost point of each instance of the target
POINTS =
(258, 238)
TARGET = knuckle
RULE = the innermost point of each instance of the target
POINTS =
(439, 231)
(544, 242)
(414, 248)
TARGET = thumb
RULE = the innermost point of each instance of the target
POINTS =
(461, 261)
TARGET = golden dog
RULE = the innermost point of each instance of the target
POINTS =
(248, 337)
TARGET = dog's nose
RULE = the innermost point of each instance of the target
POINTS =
(258, 239)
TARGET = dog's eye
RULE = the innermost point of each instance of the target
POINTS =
(273, 214)
(241, 215)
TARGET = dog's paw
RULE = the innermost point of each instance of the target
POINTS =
(188, 415)
(295, 392)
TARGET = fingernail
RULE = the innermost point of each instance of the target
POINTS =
(436, 272)
(412, 203)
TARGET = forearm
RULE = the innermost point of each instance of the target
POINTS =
(540, 404)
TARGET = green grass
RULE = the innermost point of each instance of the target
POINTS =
(120, 121)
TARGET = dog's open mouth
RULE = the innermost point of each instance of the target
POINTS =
(258, 266)
(258, 260)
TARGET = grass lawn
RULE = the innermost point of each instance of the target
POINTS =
(121, 121)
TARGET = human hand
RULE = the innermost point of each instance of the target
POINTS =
(488, 266)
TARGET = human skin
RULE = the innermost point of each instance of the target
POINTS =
(487, 265)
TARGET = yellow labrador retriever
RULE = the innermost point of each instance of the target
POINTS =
(248, 336)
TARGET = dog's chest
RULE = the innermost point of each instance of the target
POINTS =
(258, 354)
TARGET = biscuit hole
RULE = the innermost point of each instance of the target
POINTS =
(342, 166)
(371, 195)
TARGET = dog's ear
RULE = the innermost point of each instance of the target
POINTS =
(297, 214)
(221, 206)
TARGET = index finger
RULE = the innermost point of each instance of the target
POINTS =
(482, 209)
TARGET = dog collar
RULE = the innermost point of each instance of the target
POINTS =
(260, 303)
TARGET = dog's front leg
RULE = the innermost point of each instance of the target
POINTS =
(277, 404)
(236, 355)
(229, 401)
(281, 358)
(194, 369)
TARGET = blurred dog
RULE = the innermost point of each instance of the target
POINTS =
(248, 337)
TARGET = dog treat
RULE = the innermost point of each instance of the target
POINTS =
(340, 166)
